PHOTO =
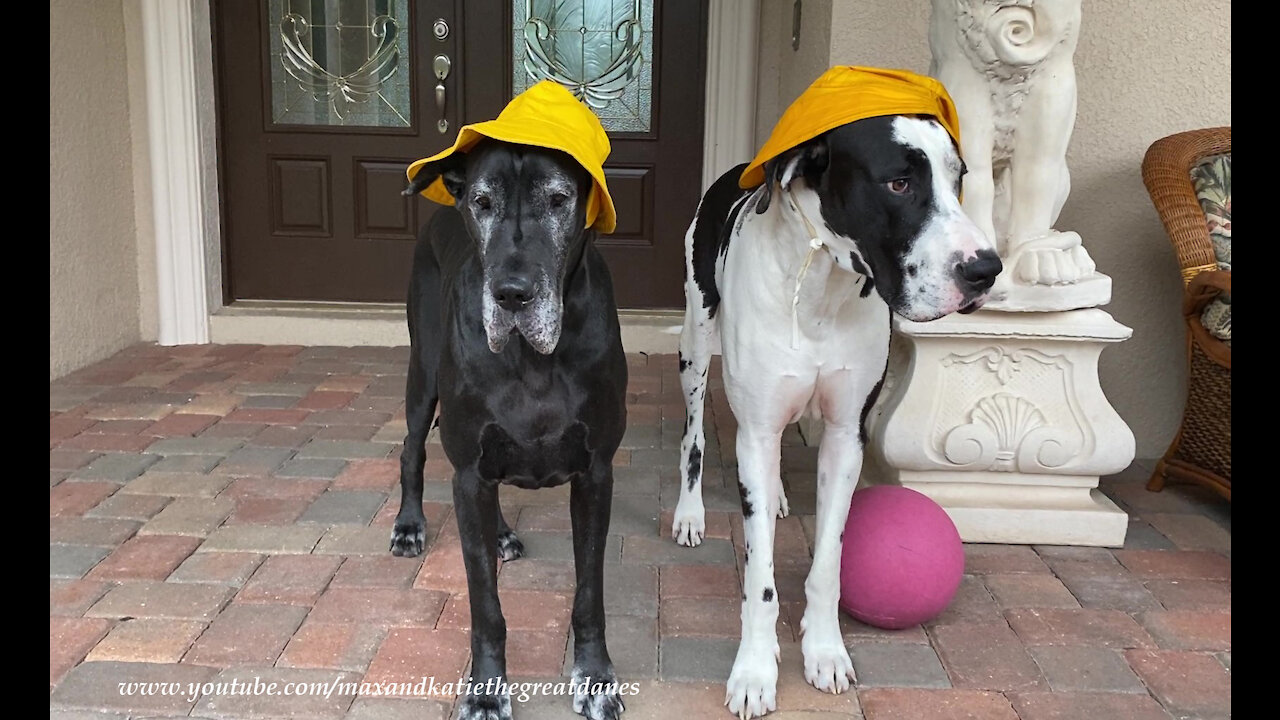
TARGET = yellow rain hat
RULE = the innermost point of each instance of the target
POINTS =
(546, 115)
(847, 93)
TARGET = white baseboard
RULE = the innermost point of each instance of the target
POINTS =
(383, 324)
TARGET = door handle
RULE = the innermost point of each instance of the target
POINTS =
(441, 66)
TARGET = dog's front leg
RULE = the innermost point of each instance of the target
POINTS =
(688, 523)
(595, 688)
(475, 502)
(409, 533)
(826, 661)
(753, 682)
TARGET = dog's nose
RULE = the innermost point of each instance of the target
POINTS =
(513, 292)
(980, 273)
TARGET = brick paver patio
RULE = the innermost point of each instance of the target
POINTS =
(222, 513)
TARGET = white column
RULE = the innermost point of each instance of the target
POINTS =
(733, 28)
(176, 171)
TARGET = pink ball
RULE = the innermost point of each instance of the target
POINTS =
(902, 558)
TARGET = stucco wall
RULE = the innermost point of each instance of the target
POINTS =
(784, 73)
(93, 262)
(1145, 70)
(143, 212)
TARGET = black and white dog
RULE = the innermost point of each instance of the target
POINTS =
(783, 277)
(513, 329)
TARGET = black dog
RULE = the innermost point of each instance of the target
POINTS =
(542, 408)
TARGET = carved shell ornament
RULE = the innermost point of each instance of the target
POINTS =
(1007, 433)
(1020, 33)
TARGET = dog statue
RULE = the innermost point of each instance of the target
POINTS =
(1008, 66)
(514, 331)
(849, 213)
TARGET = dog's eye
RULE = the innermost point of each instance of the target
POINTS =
(482, 202)
(558, 199)
(899, 186)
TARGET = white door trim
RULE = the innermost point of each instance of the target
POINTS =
(183, 142)
(178, 169)
(733, 37)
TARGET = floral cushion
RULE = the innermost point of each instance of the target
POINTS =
(1212, 180)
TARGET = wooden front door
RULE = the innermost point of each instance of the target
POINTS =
(323, 103)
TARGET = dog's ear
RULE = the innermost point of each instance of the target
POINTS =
(808, 160)
(452, 168)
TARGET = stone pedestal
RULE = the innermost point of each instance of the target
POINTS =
(999, 417)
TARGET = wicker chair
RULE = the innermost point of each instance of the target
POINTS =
(1201, 451)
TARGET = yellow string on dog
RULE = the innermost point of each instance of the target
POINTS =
(815, 244)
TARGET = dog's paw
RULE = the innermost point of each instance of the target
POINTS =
(408, 538)
(753, 684)
(783, 508)
(689, 524)
(826, 661)
(484, 707)
(597, 698)
(509, 546)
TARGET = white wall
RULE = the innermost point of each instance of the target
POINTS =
(1145, 70)
(93, 252)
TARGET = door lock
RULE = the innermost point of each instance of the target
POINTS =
(441, 66)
